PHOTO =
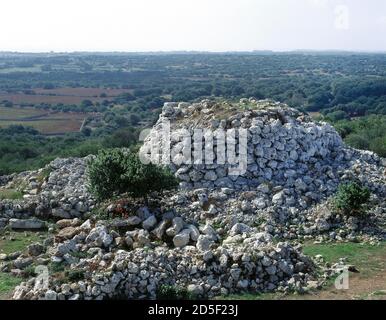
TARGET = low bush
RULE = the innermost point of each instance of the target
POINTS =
(350, 198)
(169, 292)
(115, 172)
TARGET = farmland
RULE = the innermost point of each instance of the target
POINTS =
(64, 95)
(19, 113)
(82, 92)
(29, 99)
(45, 122)
(120, 93)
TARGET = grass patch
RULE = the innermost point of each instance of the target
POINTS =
(365, 257)
(7, 284)
(170, 292)
(20, 241)
(252, 296)
(56, 267)
(379, 293)
(74, 275)
(10, 194)
(43, 175)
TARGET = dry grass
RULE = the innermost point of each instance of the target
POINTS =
(315, 115)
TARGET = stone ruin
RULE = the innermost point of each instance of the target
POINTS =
(218, 233)
(281, 143)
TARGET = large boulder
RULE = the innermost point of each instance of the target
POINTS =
(26, 224)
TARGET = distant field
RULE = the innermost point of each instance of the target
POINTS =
(57, 126)
(62, 95)
(82, 92)
(19, 113)
(43, 121)
(21, 98)
(35, 68)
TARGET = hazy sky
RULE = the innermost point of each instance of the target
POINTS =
(210, 25)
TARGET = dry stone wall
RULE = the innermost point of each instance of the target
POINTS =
(282, 144)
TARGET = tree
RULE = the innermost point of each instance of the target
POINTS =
(87, 131)
(350, 198)
(8, 104)
(115, 172)
(48, 86)
(86, 103)
(337, 115)
(122, 138)
(134, 119)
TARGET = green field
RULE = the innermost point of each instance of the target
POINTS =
(13, 242)
(44, 121)
(35, 68)
(19, 113)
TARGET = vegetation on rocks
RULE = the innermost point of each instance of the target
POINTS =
(169, 292)
(351, 197)
(10, 194)
(115, 172)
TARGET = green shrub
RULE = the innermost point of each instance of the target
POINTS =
(74, 275)
(169, 292)
(350, 198)
(114, 172)
(56, 267)
(29, 271)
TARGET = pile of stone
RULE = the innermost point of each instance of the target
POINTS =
(283, 145)
(218, 233)
(245, 261)
(293, 165)
(57, 191)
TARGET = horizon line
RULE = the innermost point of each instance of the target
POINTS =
(195, 51)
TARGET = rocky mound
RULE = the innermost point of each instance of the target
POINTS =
(219, 233)
(293, 163)
(282, 145)
(57, 191)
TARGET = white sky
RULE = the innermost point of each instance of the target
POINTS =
(208, 25)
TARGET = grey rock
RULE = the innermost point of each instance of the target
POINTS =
(195, 290)
(177, 226)
(182, 238)
(35, 249)
(239, 228)
(27, 224)
(204, 243)
(50, 295)
(149, 223)
(210, 175)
